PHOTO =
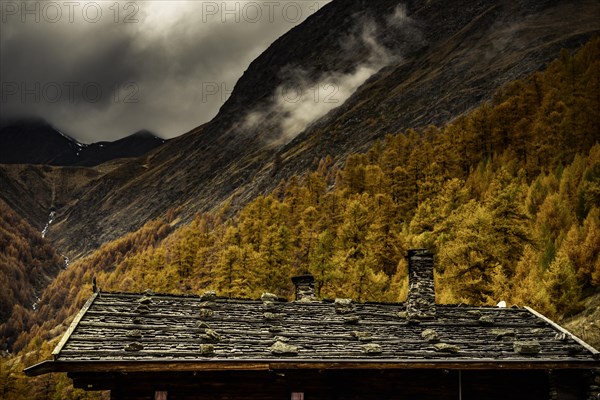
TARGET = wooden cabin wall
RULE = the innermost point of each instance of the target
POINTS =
(315, 385)
(344, 385)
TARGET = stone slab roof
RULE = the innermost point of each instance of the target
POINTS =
(137, 328)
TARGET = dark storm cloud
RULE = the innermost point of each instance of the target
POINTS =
(161, 65)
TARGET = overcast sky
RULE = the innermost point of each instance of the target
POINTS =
(100, 70)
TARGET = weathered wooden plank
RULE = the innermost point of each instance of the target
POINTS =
(278, 364)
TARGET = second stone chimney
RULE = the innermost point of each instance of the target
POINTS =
(305, 288)
(420, 303)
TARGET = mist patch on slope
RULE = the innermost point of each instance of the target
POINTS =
(302, 100)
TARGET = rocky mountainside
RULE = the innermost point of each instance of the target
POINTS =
(350, 74)
(36, 191)
(35, 141)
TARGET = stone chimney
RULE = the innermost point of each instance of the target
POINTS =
(420, 303)
(305, 288)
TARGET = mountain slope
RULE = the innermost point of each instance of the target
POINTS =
(437, 60)
(42, 169)
(35, 191)
(28, 264)
(509, 217)
(34, 141)
(501, 43)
